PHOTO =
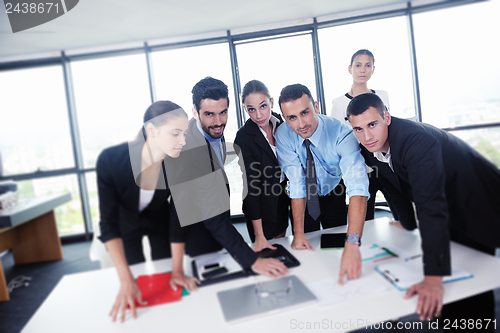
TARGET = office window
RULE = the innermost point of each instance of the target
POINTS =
(111, 96)
(91, 179)
(457, 65)
(177, 71)
(277, 63)
(34, 126)
(387, 39)
(485, 140)
(69, 216)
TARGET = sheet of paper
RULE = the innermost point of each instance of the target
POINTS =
(375, 254)
(330, 292)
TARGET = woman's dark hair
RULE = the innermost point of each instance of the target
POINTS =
(254, 87)
(362, 51)
(159, 113)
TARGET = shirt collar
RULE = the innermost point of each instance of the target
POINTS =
(384, 158)
(274, 123)
(381, 157)
(316, 137)
(208, 137)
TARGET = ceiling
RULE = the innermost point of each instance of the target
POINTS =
(94, 23)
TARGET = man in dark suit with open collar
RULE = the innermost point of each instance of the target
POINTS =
(455, 190)
(200, 190)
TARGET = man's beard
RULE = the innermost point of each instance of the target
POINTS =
(217, 135)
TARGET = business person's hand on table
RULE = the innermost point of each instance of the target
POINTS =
(430, 296)
(262, 243)
(350, 264)
(300, 242)
(270, 267)
(129, 291)
(182, 280)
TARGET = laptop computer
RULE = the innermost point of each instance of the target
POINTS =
(259, 299)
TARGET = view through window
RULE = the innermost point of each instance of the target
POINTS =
(459, 80)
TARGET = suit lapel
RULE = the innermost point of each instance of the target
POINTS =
(260, 140)
(381, 168)
(200, 141)
(224, 150)
(136, 158)
(395, 149)
(386, 171)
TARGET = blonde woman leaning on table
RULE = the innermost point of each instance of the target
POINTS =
(133, 195)
(361, 68)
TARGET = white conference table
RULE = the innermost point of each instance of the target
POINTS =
(81, 302)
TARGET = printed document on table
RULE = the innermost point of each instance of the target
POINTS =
(329, 292)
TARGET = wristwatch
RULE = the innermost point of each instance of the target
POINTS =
(353, 239)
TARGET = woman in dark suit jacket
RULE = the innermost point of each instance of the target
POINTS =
(266, 205)
(133, 195)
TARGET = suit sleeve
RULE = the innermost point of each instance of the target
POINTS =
(200, 193)
(177, 233)
(401, 207)
(250, 167)
(108, 199)
(225, 233)
(421, 155)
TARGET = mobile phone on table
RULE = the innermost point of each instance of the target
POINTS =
(214, 272)
(333, 241)
(211, 266)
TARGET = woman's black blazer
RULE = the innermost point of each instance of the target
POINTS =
(119, 195)
(266, 198)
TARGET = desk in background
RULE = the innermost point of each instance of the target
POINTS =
(29, 229)
(81, 302)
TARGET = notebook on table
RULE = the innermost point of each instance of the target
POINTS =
(155, 289)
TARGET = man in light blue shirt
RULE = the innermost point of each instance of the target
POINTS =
(336, 155)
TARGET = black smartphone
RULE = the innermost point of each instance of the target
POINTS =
(210, 266)
(214, 273)
(333, 241)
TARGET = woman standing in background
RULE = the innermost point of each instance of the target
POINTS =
(361, 68)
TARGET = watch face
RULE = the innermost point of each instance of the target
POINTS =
(353, 238)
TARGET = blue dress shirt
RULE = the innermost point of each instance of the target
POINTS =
(336, 154)
(215, 143)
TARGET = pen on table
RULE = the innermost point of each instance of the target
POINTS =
(390, 252)
(413, 257)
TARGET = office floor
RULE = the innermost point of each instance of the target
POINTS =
(15, 313)
(24, 301)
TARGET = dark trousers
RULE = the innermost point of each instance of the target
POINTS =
(478, 307)
(333, 210)
(158, 240)
(375, 186)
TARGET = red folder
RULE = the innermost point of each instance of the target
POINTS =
(156, 289)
